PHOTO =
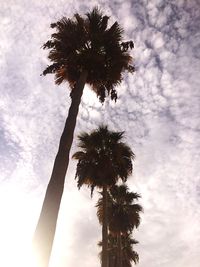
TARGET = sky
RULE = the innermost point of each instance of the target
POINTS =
(158, 108)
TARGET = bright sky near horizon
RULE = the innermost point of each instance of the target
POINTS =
(158, 108)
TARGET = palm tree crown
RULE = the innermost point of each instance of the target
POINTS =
(103, 158)
(88, 44)
(129, 255)
(124, 214)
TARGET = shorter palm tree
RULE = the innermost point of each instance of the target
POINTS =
(102, 161)
(123, 215)
(129, 255)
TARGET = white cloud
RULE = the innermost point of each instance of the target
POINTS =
(158, 107)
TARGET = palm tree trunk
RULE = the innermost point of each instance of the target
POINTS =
(105, 229)
(119, 248)
(45, 230)
(112, 261)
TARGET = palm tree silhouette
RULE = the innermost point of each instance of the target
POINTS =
(129, 255)
(82, 50)
(102, 161)
(123, 215)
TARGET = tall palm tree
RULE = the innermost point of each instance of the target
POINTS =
(81, 50)
(102, 161)
(123, 214)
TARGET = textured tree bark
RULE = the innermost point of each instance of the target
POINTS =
(45, 230)
(119, 250)
(105, 229)
(112, 260)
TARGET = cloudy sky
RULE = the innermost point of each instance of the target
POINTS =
(158, 108)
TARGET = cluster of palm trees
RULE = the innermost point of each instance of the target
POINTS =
(86, 50)
(103, 160)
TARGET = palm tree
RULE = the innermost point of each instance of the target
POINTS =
(102, 161)
(81, 50)
(128, 254)
(123, 215)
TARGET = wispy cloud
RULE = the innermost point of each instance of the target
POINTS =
(158, 107)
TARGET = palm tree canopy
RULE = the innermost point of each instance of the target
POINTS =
(123, 213)
(87, 43)
(103, 158)
(128, 253)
